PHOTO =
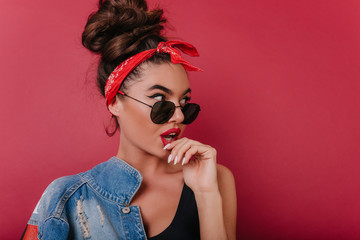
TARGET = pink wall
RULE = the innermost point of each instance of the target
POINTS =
(280, 99)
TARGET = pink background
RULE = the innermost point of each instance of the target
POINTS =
(280, 100)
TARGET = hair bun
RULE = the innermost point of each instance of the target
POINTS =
(119, 26)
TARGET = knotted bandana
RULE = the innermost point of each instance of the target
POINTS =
(116, 78)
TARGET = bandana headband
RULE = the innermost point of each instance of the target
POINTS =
(116, 78)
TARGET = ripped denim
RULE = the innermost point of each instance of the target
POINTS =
(91, 205)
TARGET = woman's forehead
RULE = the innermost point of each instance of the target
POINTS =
(167, 77)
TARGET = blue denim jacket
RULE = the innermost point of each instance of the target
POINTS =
(91, 205)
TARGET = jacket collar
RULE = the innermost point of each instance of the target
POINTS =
(115, 180)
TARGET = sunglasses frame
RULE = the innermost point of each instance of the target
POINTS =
(124, 94)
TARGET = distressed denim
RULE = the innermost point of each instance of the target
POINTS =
(91, 205)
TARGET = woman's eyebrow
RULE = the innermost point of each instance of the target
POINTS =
(165, 89)
(187, 91)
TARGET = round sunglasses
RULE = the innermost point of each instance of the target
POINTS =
(162, 111)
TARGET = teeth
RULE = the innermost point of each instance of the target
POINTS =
(170, 137)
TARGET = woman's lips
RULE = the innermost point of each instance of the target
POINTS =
(166, 139)
(166, 142)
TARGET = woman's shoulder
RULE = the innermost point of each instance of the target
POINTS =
(226, 181)
(224, 174)
(102, 179)
(64, 183)
(63, 186)
(57, 193)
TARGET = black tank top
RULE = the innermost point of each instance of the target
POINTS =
(185, 224)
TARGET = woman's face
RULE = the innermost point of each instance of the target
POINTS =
(158, 82)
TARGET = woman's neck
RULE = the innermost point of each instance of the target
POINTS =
(145, 162)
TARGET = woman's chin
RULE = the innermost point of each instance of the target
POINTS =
(164, 154)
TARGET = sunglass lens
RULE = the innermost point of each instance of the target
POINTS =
(162, 111)
(190, 111)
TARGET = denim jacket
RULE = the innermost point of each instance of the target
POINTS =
(90, 205)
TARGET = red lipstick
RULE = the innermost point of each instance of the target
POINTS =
(170, 135)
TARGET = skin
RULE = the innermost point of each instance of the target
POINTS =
(163, 177)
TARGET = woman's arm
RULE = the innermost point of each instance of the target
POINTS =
(213, 186)
(227, 189)
(217, 210)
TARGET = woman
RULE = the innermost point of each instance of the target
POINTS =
(159, 185)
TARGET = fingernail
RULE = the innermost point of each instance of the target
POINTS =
(175, 160)
(169, 159)
(183, 161)
(167, 145)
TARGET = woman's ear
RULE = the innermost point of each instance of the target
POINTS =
(115, 107)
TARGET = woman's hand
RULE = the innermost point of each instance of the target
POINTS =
(213, 186)
(199, 164)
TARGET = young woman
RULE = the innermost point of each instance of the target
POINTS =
(159, 185)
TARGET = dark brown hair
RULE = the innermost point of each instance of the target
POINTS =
(119, 30)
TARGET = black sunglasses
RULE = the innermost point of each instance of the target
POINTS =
(162, 111)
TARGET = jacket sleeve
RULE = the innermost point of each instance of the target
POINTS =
(54, 229)
(30, 233)
(47, 221)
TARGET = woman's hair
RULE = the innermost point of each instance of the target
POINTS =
(119, 30)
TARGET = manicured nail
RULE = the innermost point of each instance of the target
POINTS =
(167, 145)
(175, 160)
(183, 161)
(169, 159)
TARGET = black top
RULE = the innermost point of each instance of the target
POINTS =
(185, 224)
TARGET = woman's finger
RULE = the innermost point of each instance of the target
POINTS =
(178, 147)
(180, 150)
(189, 154)
(171, 145)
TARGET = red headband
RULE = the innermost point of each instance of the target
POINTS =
(116, 78)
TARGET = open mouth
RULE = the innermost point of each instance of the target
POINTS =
(170, 135)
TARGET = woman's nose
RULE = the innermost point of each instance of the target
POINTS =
(178, 115)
